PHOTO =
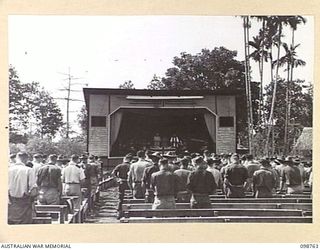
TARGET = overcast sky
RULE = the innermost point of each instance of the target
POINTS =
(105, 51)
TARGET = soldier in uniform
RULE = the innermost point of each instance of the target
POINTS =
(264, 180)
(146, 179)
(135, 175)
(121, 172)
(184, 194)
(251, 166)
(291, 176)
(235, 178)
(21, 179)
(165, 186)
(201, 183)
(49, 183)
(73, 177)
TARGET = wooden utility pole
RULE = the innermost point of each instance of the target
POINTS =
(68, 98)
(246, 26)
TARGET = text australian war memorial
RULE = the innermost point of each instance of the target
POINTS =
(127, 120)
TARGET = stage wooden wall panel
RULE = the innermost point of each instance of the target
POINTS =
(98, 136)
(226, 136)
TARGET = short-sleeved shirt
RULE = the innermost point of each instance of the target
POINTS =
(264, 178)
(137, 169)
(91, 170)
(72, 174)
(216, 175)
(49, 176)
(164, 183)
(291, 176)
(252, 167)
(121, 170)
(146, 179)
(236, 174)
(183, 175)
(201, 181)
(20, 180)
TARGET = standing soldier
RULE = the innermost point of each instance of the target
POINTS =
(264, 180)
(20, 182)
(183, 173)
(135, 175)
(92, 176)
(121, 172)
(235, 178)
(37, 163)
(291, 176)
(12, 159)
(72, 177)
(49, 183)
(212, 168)
(201, 183)
(165, 186)
(251, 166)
(146, 179)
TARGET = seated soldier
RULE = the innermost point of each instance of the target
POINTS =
(201, 183)
(165, 186)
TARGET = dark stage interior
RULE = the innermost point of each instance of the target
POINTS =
(139, 126)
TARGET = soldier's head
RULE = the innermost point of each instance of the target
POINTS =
(206, 153)
(141, 154)
(199, 163)
(91, 158)
(249, 157)
(75, 158)
(22, 157)
(184, 163)
(163, 163)
(265, 163)
(53, 158)
(38, 158)
(235, 158)
(13, 158)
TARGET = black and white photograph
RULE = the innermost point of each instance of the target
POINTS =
(160, 119)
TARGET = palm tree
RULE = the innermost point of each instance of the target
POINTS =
(278, 22)
(290, 61)
(259, 55)
(246, 27)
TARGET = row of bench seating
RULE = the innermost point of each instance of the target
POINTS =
(280, 208)
(66, 213)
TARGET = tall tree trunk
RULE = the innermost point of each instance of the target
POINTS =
(247, 80)
(262, 120)
(274, 90)
(290, 83)
(285, 141)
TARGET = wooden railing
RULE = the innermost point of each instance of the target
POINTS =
(66, 213)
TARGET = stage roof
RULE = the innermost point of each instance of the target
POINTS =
(148, 92)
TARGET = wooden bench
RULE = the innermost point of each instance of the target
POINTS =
(42, 220)
(301, 206)
(214, 212)
(230, 219)
(60, 210)
(240, 200)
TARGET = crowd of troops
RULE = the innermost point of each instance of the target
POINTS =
(165, 179)
(43, 180)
